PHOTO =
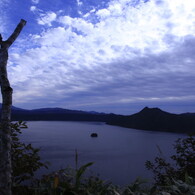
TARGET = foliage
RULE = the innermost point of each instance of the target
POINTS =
(184, 163)
(136, 188)
(179, 187)
(185, 156)
(63, 183)
(72, 182)
(25, 158)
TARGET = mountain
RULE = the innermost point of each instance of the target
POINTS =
(57, 114)
(13, 107)
(155, 119)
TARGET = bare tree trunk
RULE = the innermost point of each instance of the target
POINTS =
(6, 90)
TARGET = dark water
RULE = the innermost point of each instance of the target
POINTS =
(119, 153)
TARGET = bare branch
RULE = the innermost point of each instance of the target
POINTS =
(16, 32)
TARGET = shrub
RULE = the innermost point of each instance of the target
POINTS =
(25, 158)
(184, 163)
(72, 182)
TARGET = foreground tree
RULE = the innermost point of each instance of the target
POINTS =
(5, 131)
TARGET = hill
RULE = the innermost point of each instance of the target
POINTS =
(157, 120)
(153, 119)
(57, 114)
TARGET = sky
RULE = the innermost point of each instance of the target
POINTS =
(112, 56)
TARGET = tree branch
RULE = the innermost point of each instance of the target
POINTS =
(16, 32)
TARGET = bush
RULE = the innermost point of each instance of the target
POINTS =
(72, 182)
(25, 158)
(183, 163)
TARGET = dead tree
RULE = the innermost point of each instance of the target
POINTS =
(5, 129)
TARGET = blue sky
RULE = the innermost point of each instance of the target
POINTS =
(105, 55)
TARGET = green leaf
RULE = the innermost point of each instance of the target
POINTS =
(81, 171)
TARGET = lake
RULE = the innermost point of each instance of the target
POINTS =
(118, 153)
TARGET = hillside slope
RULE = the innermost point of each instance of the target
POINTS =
(158, 120)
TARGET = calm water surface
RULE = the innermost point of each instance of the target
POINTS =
(119, 153)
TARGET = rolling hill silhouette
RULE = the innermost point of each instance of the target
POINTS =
(153, 119)
(157, 120)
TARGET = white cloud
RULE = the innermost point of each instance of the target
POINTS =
(77, 23)
(103, 13)
(35, 1)
(47, 18)
(33, 8)
(79, 3)
(44, 18)
(126, 53)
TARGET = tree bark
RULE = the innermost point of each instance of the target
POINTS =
(6, 91)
